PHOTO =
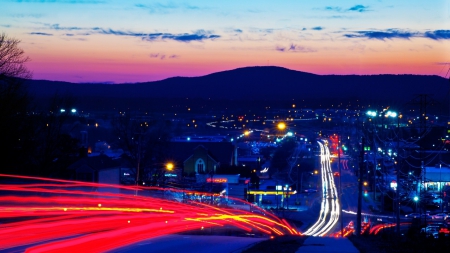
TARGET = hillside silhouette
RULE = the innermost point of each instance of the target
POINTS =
(260, 84)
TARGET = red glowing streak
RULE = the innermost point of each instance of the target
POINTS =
(96, 221)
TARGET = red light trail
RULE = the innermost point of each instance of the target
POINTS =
(48, 215)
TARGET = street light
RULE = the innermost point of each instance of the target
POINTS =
(281, 126)
(169, 166)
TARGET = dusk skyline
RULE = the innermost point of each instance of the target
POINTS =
(136, 41)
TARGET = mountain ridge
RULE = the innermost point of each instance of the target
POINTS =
(259, 83)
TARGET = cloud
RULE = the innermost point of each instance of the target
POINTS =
(438, 34)
(358, 8)
(281, 49)
(333, 8)
(66, 28)
(355, 8)
(294, 48)
(61, 1)
(43, 34)
(382, 35)
(166, 8)
(400, 34)
(198, 35)
(183, 37)
(163, 56)
(317, 28)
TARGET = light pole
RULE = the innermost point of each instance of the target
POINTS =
(440, 186)
(301, 184)
(372, 115)
(340, 185)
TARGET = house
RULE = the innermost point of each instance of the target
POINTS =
(98, 169)
(201, 157)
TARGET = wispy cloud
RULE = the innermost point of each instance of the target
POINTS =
(358, 8)
(40, 33)
(61, 1)
(381, 35)
(63, 28)
(333, 8)
(438, 34)
(183, 37)
(163, 56)
(355, 8)
(166, 8)
(399, 34)
(294, 48)
(198, 35)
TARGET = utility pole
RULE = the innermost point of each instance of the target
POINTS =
(397, 195)
(138, 163)
(360, 184)
(340, 185)
(298, 189)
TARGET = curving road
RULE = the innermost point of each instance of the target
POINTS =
(330, 206)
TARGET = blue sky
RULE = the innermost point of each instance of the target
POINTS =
(113, 40)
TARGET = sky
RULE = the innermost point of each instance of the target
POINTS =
(126, 41)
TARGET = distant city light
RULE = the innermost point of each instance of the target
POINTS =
(74, 110)
(63, 110)
(372, 113)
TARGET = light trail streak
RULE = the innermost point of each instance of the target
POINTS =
(329, 211)
(59, 216)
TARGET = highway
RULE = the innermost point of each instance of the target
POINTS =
(190, 243)
(330, 206)
(51, 215)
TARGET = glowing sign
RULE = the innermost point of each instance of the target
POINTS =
(217, 180)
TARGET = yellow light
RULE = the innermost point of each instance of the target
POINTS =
(99, 205)
(281, 126)
(169, 166)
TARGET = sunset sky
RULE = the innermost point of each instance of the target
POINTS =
(118, 41)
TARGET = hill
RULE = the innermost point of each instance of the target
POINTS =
(262, 84)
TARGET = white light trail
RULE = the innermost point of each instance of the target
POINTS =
(329, 211)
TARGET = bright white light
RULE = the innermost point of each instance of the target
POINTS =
(63, 110)
(73, 110)
(372, 113)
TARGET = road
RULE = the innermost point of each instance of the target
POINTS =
(330, 206)
(191, 243)
(57, 216)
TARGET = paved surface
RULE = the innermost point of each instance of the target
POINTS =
(327, 245)
(191, 243)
